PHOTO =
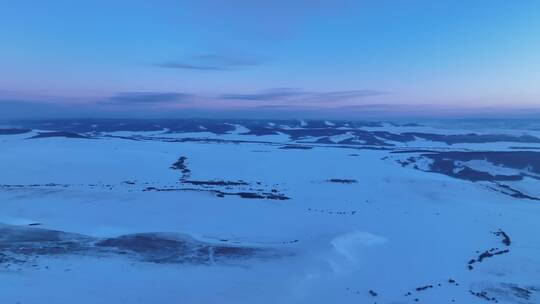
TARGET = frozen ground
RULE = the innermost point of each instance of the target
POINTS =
(202, 211)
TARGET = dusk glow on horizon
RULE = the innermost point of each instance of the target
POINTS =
(255, 58)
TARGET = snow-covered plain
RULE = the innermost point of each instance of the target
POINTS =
(267, 212)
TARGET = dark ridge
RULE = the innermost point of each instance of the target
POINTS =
(424, 287)
(314, 128)
(216, 126)
(111, 125)
(9, 236)
(13, 131)
(296, 147)
(342, 181)
(180, 164)
(519, 292)
(143, 243)
(474, 175)
(260, 131)
(367, 137)
(22, 244)
(514, 193)
(58, 134)
(525, 148)
(219, 193)
(34, 185)
(403, 137)
(488, 254)
(473, 138)
(215, 183)
(505, 238)
(444, 163)
(297, 134)
(253, 195)
(447, 166)
(405, 163)
(483, 295)
(413, 151)
(274, 196)
(493, 251)
(122, 137)
(410, 125)
(513, 159)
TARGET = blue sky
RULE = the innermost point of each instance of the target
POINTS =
(125, 58)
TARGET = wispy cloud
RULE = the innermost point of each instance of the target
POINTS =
(288, 94)
(210, 62)
(140, 98)
(272, 94)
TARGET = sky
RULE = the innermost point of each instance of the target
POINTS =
(279, 58)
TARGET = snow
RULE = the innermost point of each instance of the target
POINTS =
(527, 185)
(341, 137)
(394, 230)
(485, 166)
(238, 129)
